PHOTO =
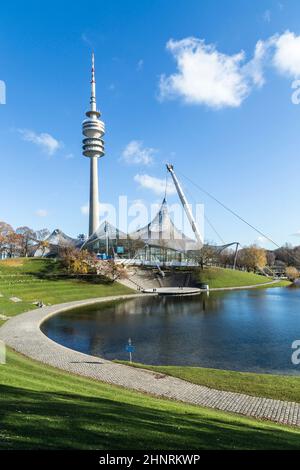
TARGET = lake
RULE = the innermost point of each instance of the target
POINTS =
(246, 330)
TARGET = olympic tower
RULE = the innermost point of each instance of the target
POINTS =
(93, 148)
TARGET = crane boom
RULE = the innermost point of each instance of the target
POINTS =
(185, 205)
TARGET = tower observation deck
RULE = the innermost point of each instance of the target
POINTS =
(93, 148)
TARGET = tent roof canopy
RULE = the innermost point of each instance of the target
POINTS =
(106, 229)
(162, 232)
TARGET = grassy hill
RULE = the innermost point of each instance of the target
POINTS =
(220, 277)
(33, 279)
(44, 408)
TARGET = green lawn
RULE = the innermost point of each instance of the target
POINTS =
(279, 387)
(44, 408)
(220, 277)
(41, 279)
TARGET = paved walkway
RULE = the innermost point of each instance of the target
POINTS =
(23, 334)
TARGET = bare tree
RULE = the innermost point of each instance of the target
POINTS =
(5, 228)
(13, 244)
(27, 238)
(206, 255)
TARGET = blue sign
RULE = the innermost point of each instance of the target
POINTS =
(129, 348)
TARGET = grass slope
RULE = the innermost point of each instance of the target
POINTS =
(279, 387)
(44, 408)
(43, 279)
(220, 277)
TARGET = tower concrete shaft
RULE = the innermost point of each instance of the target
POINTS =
(93, 147)
(94, 196)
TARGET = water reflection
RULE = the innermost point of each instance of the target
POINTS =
(242, 330)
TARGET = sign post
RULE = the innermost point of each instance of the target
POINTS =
(130, 349)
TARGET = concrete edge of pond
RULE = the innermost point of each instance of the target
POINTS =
(23, 334)
(253, 286)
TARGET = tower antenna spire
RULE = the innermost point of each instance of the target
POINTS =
(93, 86)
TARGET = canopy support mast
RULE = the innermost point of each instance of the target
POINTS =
(185, 205)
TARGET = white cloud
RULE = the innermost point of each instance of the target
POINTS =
(41, 213)
(205, 75)
(260, 240)
(296, 234)
(44, 140)
(157, 185)
(282, 52)
(136, 154)
(254, 69)
(287, 54)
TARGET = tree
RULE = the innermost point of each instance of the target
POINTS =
(81, 237)
(292, 273)
(226, 257)
(84, 262)
(111, 269)
(5, 228)
(27, 238)
(271, 258)
(78, 261)
(2, 243)
(252, 257)
(13, 243)
(43, 245)
(289, 255)
(206, 255)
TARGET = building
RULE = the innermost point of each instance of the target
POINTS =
(108, 242)
(163, 241)
(158, 242)
(56, 241)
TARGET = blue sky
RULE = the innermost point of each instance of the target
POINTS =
(180, 81)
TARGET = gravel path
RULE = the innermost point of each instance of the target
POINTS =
(23, 334)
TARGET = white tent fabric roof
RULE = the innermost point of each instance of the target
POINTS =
(161, 232)
(106, 230)
(57, 239)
